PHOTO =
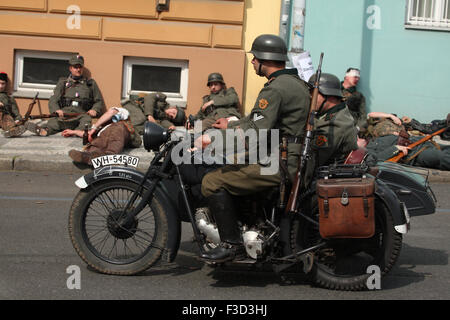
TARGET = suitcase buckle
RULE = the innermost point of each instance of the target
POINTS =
(344, 198)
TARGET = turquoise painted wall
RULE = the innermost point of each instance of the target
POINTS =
(403, 71)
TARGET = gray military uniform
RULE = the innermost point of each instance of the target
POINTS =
(135, 107)
(425, 155)
(74, 96)
(9, 112)
(282, 104)
(226, 104)
(335, 135)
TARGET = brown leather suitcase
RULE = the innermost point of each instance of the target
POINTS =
(346, 207)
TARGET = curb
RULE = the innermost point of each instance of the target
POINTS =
(62, 164)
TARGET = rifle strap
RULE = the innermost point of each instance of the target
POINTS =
(416, 154)
(129, 126)
(435, 144)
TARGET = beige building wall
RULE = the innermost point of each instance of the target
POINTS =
(206, 33)
(262, 16)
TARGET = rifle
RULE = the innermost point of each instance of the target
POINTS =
(30, 108)
(306, 147)
(55, 115)
(414, 144)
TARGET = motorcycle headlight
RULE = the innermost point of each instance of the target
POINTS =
(154, 136)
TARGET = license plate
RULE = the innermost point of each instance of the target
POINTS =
(115, 159)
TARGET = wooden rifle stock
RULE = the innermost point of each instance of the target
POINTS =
(30, 108)
(418, 142)
(306, 146)
(55, 115)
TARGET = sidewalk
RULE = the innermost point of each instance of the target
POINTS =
(32, 153)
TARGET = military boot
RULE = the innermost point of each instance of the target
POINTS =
(34, 128)
(14, 132)
(80, 156)
(231, 246)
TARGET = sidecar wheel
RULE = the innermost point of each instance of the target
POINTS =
(343, 263)
(102, 243)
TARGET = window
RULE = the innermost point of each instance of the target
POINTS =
(146, 75)
(428, 14)
(39, 71)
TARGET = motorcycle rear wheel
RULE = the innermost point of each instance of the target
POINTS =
(343, 263)
(105, 245)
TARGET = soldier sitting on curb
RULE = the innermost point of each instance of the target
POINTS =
(222, 102)
(9, 112)
(158, 110)
(110, 135)
(75, 94)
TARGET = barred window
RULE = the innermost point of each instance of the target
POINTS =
(428, 14)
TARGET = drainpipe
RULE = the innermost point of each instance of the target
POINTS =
(285, 20)
(292, 29)
(297, 26)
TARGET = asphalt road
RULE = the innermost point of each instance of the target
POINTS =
(36, 252)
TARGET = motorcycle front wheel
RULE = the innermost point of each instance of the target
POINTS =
(107, 245)
(343, 264)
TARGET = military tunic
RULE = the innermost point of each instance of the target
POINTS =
(282, 104)
(384, 148)
(155, 107)
(137, 117)
(226, 104)
(356, 103)
(9, 112)
(335, 135)
(74, 96)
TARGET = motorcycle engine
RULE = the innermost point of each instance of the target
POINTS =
(205, 225)
(253, 242)
(253, 239)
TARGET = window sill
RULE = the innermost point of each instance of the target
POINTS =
(425, 27)
(43, 94)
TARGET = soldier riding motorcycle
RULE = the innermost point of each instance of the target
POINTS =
(124, 221)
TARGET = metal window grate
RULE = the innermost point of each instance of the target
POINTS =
(428, 14)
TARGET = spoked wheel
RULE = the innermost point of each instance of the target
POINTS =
(343, 263)
(105, 239)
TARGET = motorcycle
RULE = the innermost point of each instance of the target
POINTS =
(123, 221)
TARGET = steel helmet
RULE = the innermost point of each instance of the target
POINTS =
(269, 47)
(215, 77)
(180, 118)
(329, 84)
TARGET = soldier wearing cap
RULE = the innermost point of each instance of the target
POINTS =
(355, 100)
(221, 102)
(158, 110)
(9, 112)
(283, 105)
(74, 94)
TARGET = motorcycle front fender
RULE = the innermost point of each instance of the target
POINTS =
(131, 174)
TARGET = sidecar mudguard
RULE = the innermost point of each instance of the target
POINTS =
(410, 187)
(131, 174)
(396, 207)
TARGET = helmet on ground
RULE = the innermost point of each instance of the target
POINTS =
(269, 47)
(329, 84)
